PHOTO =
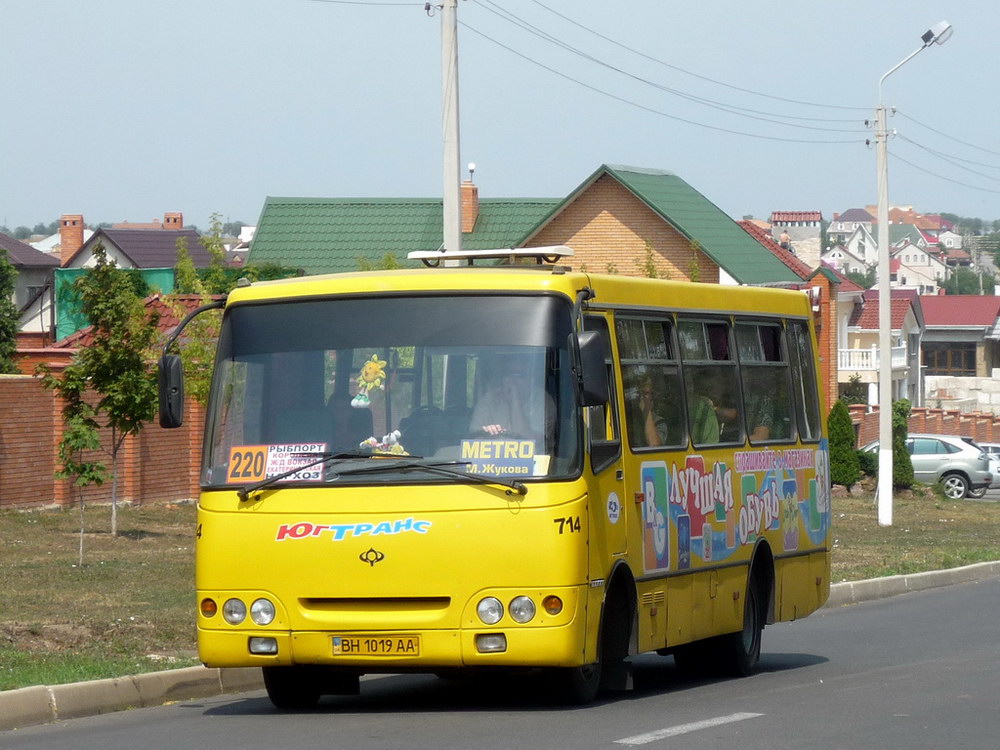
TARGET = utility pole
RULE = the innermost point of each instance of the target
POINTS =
(449, 127)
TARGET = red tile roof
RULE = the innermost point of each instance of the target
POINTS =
(968, 310)
(786, 216)
(800, 269)
(865, 315)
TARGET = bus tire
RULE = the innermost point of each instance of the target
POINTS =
(578, 686)
(292, 688)
(611, 672)
(740, 651)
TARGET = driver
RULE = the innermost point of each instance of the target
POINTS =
(510, 405)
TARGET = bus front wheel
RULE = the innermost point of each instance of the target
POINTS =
(578, 685)
(741, 650)
(300, 687)
(292, 688)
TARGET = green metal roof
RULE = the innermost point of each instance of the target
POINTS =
(331, 235)
(698, 219)
(900, 232)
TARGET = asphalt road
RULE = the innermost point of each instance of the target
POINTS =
(921, 670)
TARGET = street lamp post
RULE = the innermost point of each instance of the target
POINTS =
(937, 34)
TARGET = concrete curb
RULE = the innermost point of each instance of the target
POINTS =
(44, 703)
(41, 704)
(870, 589)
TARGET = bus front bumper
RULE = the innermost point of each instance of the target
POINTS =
(561, 646)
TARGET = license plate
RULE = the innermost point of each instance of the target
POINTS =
(370, 645)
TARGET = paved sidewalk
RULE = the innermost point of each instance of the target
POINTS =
(45, 703)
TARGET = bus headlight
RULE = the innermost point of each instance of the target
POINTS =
(234, 611)
(262, 612)
(490, 610)
(522, 609)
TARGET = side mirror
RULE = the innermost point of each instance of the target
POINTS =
(171, 382)
(592, 376)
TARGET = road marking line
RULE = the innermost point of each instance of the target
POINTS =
(659, 734)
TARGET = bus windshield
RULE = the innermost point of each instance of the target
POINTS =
(480, 379)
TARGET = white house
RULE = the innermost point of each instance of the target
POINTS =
(916, 268)
(861, 244)
(844, 260)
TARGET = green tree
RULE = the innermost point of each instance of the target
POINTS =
(79, 442)
(844, 466)
(232, 228)
(215, 278)
(186, 279)
(963, 281)
(197, 348)
(855, 392)
(864, 279)
(116, 367)
(8, 315)
(902, 466)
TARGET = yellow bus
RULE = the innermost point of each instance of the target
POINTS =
(480, 468)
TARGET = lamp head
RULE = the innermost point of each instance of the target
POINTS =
(939, 33)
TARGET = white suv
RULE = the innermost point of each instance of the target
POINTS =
(958, 463)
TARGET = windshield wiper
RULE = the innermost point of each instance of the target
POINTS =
(387, 463)
(441, 467)
(245, 492)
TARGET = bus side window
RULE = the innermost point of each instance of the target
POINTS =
(711, 382)
(654, 415)
(766, 387)
(804, 381)
(605, 443)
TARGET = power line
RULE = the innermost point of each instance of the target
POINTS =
(950, 137)
(363, 2)
(952, 160)
(941, 177)
(752, 114)
(644, 107)
(691, 73)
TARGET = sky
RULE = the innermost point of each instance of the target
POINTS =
(123, 110)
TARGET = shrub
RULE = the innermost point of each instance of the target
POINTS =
(844, 468)
(868, 463)
(902, 466)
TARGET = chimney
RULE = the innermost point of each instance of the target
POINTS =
(470, 206)
(836, 217)
(173, 220)
(70, 236)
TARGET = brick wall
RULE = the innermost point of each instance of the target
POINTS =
(826, 339)
(157, 465)
(27, 459)
(609, 228)
(983, 427)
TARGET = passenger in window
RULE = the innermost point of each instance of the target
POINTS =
(713, 419)
(704, 422)
(647, 427)
(760, 415)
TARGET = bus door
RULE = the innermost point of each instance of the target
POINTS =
(608, 502)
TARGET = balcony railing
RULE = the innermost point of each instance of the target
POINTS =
(868, 359)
